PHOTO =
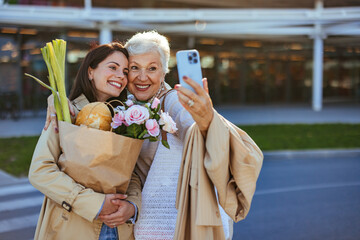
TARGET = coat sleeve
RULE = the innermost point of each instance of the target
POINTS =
(45, 175)
(233, 162)
(134, 191)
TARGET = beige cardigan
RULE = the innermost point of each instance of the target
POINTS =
(227, 159)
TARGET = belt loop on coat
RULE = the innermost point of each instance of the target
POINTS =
(67, 204)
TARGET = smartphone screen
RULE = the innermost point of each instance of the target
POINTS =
(188, 64)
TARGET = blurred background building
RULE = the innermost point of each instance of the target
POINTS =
(253, 52)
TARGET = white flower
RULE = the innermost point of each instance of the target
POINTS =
(131, 97)
(129, 103)
(119, 109)
(168, 123)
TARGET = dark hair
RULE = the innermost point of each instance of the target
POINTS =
(82, 83)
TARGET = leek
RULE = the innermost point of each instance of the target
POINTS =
(56, 52)
(54, 56)
(57, 104)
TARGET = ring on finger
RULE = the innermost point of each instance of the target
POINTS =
(53, 115)
(190, 103)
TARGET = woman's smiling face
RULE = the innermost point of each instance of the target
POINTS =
(145, 75)
(110, 76)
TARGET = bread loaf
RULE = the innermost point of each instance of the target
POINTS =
(95, 115)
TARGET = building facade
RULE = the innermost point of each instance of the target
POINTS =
(264, 52)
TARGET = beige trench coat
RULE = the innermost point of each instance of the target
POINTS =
(227, 159)
(54, 221)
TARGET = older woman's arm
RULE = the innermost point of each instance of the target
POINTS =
(233, 160)
(178, 113)
(202, 108)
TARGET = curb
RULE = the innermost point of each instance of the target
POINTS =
(289, 154)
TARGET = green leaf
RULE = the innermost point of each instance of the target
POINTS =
(134, 130)
(165, 143)
(158, 108)
(120, 130)
(143, 133)
(41, 82)
(151, 114)
(153, 139)
(56, 97)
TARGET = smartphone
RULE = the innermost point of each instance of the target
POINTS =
(188, 64)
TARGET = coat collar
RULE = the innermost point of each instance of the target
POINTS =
(80, 102)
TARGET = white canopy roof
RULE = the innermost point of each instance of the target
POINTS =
(226, 22)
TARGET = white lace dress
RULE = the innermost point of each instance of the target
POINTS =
(157, 218)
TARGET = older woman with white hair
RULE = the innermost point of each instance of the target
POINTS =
(207, 152)
(157, 166)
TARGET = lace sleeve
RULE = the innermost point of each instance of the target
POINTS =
(179, 114)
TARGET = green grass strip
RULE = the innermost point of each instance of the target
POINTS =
(16, 153)
(305, 136)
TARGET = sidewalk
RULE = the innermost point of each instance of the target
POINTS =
(7, 179)
(292, 114)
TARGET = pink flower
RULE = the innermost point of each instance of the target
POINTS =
(168, 123)
(155, 103)
(129, 103)
(118, 119)
(136, 114)
(153, 127)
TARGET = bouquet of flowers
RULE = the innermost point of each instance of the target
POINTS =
(104, 160)
(142, 121)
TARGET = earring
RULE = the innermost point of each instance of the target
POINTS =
(90, 79)
(162, 86)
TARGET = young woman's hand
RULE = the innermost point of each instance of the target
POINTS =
(198, 104)
(109, 207)
(125, 210)
(51, 113)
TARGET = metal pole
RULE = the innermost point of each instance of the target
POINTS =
(19, 74)
(318, 52)
(317, 73)
(105, 34)
(87, 5)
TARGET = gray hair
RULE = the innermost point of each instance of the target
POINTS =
(150, 41)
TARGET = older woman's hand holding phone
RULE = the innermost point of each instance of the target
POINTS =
(197, 103)
(194, 93)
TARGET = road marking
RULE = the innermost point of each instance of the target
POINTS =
(306, 187)
(24, 188)
(21, 203)
(18, 223)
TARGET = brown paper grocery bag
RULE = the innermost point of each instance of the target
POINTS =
(100, 160)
